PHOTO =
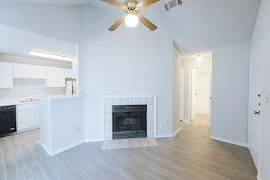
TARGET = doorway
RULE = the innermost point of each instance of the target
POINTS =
(199, 91)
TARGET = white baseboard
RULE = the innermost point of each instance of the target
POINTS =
(187, 121)
(46, 149)
(51, 153)
(228, 141)
(177, 131)
(28, 129)
(259, 177)
(94, 140)
(164, 136)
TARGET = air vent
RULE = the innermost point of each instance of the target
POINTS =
(172, 4)
(179, 2)
(167, 7)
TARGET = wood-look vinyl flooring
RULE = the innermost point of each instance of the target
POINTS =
(190, 155)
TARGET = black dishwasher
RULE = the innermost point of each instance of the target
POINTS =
(7, 120)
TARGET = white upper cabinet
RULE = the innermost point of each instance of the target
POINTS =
(68, 73)
(6, 75)
(30, 71)
(55, 77)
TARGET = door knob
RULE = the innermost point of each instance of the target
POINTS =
(257, 112)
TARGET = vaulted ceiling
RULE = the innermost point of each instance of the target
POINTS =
(196, 25)
(63, 2)
(200, 25)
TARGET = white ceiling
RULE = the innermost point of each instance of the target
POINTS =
(63, 2)
(200, 25)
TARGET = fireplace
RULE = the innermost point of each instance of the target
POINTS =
(129, 121)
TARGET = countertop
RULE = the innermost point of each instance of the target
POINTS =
(17, 101)
(10, 102)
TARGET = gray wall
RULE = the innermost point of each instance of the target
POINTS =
(138, 63)
(230, 92)
(262, 33)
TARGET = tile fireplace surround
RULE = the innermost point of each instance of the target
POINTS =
(109, 101)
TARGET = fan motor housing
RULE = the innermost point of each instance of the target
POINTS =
(131, 7)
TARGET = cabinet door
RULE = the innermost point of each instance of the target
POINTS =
(6, 75)
(27, 118)
(55, 77)
(30, 71)
(68, 73)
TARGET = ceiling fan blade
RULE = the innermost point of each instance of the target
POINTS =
(145, 3)
(117, 23)
(114, 3)
(147, 23)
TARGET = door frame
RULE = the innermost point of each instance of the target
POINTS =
(189, 87)
(182, 93)
(250, 110)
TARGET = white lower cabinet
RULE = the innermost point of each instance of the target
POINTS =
(27, 116)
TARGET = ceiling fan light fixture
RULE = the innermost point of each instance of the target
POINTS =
(199, 58)
(131, 20)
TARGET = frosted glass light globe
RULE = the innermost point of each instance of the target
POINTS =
(131, 20)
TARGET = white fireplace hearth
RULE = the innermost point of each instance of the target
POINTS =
(109, 101)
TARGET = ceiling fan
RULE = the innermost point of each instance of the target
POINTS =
(132, 7)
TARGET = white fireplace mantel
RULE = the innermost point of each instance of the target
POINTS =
(149, 100)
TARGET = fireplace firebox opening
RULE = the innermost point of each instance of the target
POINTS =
(129, 121)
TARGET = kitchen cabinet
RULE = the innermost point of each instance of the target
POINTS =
(6, 75)
(55, 77)
(30, 71)
(27, 116)
(68, 73)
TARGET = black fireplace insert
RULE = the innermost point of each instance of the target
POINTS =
(129, 121)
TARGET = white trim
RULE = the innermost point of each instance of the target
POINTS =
(94, 140)
(165, 136)
(46, 148)
(177, 131)
(28, 129)
(229, 141)
(182, 93)
(67, 147)
(259, 177)
(187, 121)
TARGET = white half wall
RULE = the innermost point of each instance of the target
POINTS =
(230, 92)
(262, 33)
(116, 64)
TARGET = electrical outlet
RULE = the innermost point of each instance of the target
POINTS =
(167, 123)
(78, 129)
(267, 99)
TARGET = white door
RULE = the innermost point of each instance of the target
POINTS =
(203, 81)
(255, 102)
(193, 94)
